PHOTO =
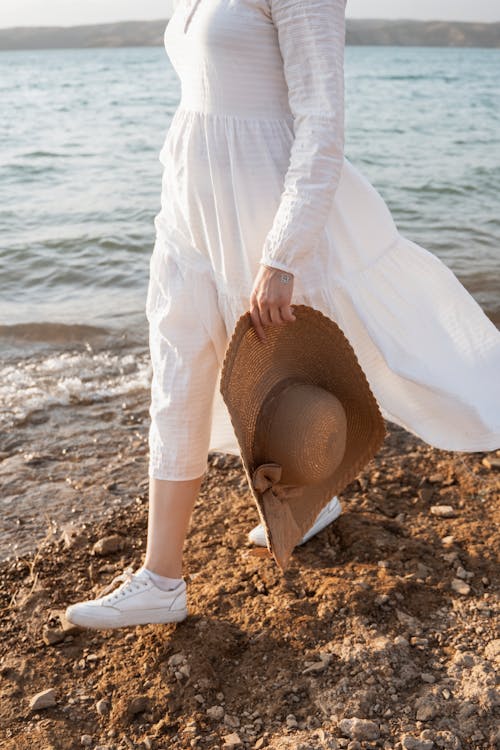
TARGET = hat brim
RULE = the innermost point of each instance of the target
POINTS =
(312, 349)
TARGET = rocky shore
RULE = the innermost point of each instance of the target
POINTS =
(383, 632)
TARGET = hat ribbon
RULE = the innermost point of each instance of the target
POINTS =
(266, 481)
(284, 532)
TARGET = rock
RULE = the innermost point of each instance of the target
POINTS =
(102, 706)
(447, 540)
(436, 478)
(108, 544)
(231, 740)
(443, 511)
(491, 463)
(86, 740)
(463, 574)
(177, 659)
(259, 744)
(359, 729)
(216, 713)
(412, 623)
(460, 587)
(318, 666)
(427, 708)
(43, 699)
(427, 677)
(413, 743)
(137, 704)
(447, 740)
(50, 636)
(492, 650)
(400, 640)
(231, 721)
(354, 745)
(291, 721)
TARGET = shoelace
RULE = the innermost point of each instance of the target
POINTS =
(127, 576)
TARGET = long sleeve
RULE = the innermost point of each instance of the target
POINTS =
(311, 35)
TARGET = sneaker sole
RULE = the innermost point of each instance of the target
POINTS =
(145, 617)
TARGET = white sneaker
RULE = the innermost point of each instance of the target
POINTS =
(329, 513)
(137, 601)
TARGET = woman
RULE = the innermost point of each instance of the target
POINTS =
(260, 207)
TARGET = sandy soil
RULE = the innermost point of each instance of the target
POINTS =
(383, 632)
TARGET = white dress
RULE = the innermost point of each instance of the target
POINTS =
(254, 171)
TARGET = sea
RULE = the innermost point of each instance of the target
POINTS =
(80, 135)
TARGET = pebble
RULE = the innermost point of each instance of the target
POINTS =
(462, 573)
(491, 463)
(43, 699)
(318, 666)
(291, 721)
(259, 744)
(231, 740)
(177, 659)
(492, 650)
(108, 544)
(443, 511)
(460, 587)
(426, 710)
(138, 704)
(427, 677)
(413, 743)
(215, 712)
(435, 478)
(52, 635)
(447, 540)
(102, 706)
(86, 740)
(359, 729)
(400, 640)
(231, 721)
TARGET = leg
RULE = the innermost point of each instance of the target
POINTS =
(185, 371)
(170, 507)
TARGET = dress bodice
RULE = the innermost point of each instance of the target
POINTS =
(227, 57)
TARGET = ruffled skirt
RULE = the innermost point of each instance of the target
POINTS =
(429, 352)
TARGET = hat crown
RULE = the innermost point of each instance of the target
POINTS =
(302, 427)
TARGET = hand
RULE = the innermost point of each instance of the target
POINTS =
(270, 299)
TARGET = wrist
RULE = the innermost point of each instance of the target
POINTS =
(279, 268)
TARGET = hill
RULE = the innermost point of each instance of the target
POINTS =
(150, 33)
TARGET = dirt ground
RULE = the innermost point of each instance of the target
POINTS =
(383, 632)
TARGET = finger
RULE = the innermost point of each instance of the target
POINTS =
(275, 315)
(287, 314)
(265, 316)
(255, 317)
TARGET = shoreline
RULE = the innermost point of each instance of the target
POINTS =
(381, 633)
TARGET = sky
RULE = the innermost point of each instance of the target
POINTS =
(73, 12)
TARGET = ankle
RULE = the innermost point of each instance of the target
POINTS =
(166, 571)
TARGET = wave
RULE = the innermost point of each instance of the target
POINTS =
(32, 386)
(53, 333)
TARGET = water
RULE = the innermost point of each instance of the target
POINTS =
(80, 135)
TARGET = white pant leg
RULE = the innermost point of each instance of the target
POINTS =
(185, 371)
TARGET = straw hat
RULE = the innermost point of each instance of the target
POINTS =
(304, 416)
